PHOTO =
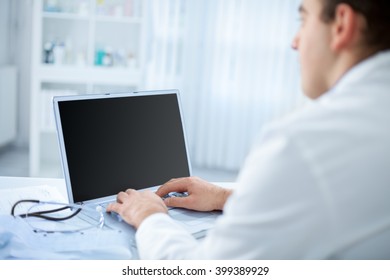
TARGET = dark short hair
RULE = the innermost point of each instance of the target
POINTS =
(376, 13)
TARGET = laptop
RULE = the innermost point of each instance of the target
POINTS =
(115, 141)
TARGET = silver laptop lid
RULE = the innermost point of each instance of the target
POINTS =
(111, 142)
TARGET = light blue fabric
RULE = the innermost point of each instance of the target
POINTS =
(18, 241)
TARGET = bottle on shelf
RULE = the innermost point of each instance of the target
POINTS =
(59, 53)
(48, 56)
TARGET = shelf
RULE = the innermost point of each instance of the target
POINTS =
(133, 20)
(98, 18)
(92, 75)
(76, 36)
(66, 16)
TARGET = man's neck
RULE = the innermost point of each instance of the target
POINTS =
(345, 62)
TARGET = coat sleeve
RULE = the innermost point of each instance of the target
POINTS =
(278, 211)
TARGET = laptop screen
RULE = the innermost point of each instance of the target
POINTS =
(122, 142)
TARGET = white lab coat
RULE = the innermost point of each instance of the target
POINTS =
(315, 186)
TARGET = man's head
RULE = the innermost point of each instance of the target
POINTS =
(337, 34)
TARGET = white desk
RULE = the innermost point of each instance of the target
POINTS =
(10, 182)
(54, 246)
(17, 182)
(116, 244)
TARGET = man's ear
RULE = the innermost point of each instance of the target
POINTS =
(345, 27)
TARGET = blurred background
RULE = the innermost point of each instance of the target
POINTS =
(230, 59)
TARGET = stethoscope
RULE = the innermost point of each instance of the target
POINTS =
(41, 214)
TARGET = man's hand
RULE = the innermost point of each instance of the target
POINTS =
(134, 206)
(202, 196)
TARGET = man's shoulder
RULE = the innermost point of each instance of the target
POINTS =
(311, 116)
(351, 108)
(336, 126)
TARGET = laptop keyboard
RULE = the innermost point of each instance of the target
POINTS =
(117, 217)
(175, 194)
(187, 219)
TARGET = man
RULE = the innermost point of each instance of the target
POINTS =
(317, 184)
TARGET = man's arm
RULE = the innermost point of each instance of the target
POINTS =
(275, 212)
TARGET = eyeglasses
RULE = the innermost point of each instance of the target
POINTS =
(50, 217)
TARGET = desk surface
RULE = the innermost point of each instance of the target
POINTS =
(67, 245)
(10, 182)
(15, 182)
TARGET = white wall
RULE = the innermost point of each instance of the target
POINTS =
(4, 33)
(20, 36)
(15, 38)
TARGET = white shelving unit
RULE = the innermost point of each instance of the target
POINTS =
(78, 47)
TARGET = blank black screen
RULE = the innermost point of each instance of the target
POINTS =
(124, 142)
